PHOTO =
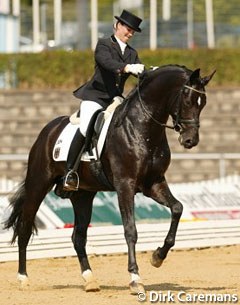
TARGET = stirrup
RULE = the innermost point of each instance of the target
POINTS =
(68, 186)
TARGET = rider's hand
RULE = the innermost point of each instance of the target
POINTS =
(134, 69)
(117, 99)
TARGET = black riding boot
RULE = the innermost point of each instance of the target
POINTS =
(71, 180)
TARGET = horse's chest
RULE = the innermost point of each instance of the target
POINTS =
(159, 161)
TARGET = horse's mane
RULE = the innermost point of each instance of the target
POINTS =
(148, 75)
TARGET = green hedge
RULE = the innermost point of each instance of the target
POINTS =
(61, 69)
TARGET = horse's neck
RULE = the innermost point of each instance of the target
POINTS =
(162, 93)
(153, 102)
(157, 103)
(145, 115)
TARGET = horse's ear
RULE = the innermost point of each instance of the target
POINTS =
(195, 75)
(206, 79)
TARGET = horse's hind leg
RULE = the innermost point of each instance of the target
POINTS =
(25, 203)
(32, 201)
(82, 204)
(161, 193)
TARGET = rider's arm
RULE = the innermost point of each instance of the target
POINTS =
(104, 57)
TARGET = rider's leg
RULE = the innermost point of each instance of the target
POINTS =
(87, 109)
(71, 180)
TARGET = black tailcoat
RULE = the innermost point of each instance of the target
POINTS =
(109, 79)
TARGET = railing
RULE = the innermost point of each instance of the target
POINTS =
(110, 239)
(57, 243)
(221, 157)
(13, 157)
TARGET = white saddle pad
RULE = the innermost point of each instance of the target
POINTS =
(62, 145)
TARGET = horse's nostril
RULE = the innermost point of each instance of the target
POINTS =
(188, 143)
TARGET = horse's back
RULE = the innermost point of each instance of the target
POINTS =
(56, 124)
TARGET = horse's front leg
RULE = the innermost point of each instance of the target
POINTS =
(82, 204)
(126, 205)
(161, 193)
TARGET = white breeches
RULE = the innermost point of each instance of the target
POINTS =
(87, 109)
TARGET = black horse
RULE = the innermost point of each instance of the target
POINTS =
(135, 158)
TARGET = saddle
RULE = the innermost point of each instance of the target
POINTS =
(117, 100)
(96, 122)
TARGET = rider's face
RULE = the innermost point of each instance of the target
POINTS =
(123, 32)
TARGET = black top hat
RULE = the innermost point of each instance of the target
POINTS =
(130, 20)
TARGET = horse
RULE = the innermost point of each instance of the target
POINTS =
(135, 158)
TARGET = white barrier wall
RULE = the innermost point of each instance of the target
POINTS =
(217, 199)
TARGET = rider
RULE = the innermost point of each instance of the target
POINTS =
(114, 61)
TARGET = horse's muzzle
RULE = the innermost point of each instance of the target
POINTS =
(188, 140)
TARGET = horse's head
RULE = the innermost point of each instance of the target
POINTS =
(176, 91)
(191, 103)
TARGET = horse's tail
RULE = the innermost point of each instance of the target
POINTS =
(15, 219)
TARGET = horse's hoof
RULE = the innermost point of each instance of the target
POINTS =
(23, 281)
(155, 260)
(91, 283)
(136, 287)
(92, 286)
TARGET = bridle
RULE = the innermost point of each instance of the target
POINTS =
(178, 121)
(193, 89)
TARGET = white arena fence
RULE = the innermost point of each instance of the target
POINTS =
(215, 202)
(221, 157)
(206, 200)
(110, 239)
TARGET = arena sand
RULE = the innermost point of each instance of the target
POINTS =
(185, 275)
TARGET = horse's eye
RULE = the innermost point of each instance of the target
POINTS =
(187, 102)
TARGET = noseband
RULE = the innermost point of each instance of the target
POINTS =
(177, 123)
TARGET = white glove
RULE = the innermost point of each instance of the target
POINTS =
(117, 99)
(134, 69)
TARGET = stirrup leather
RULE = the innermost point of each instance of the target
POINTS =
(70, 187)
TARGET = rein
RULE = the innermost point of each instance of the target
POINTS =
(176, 123)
